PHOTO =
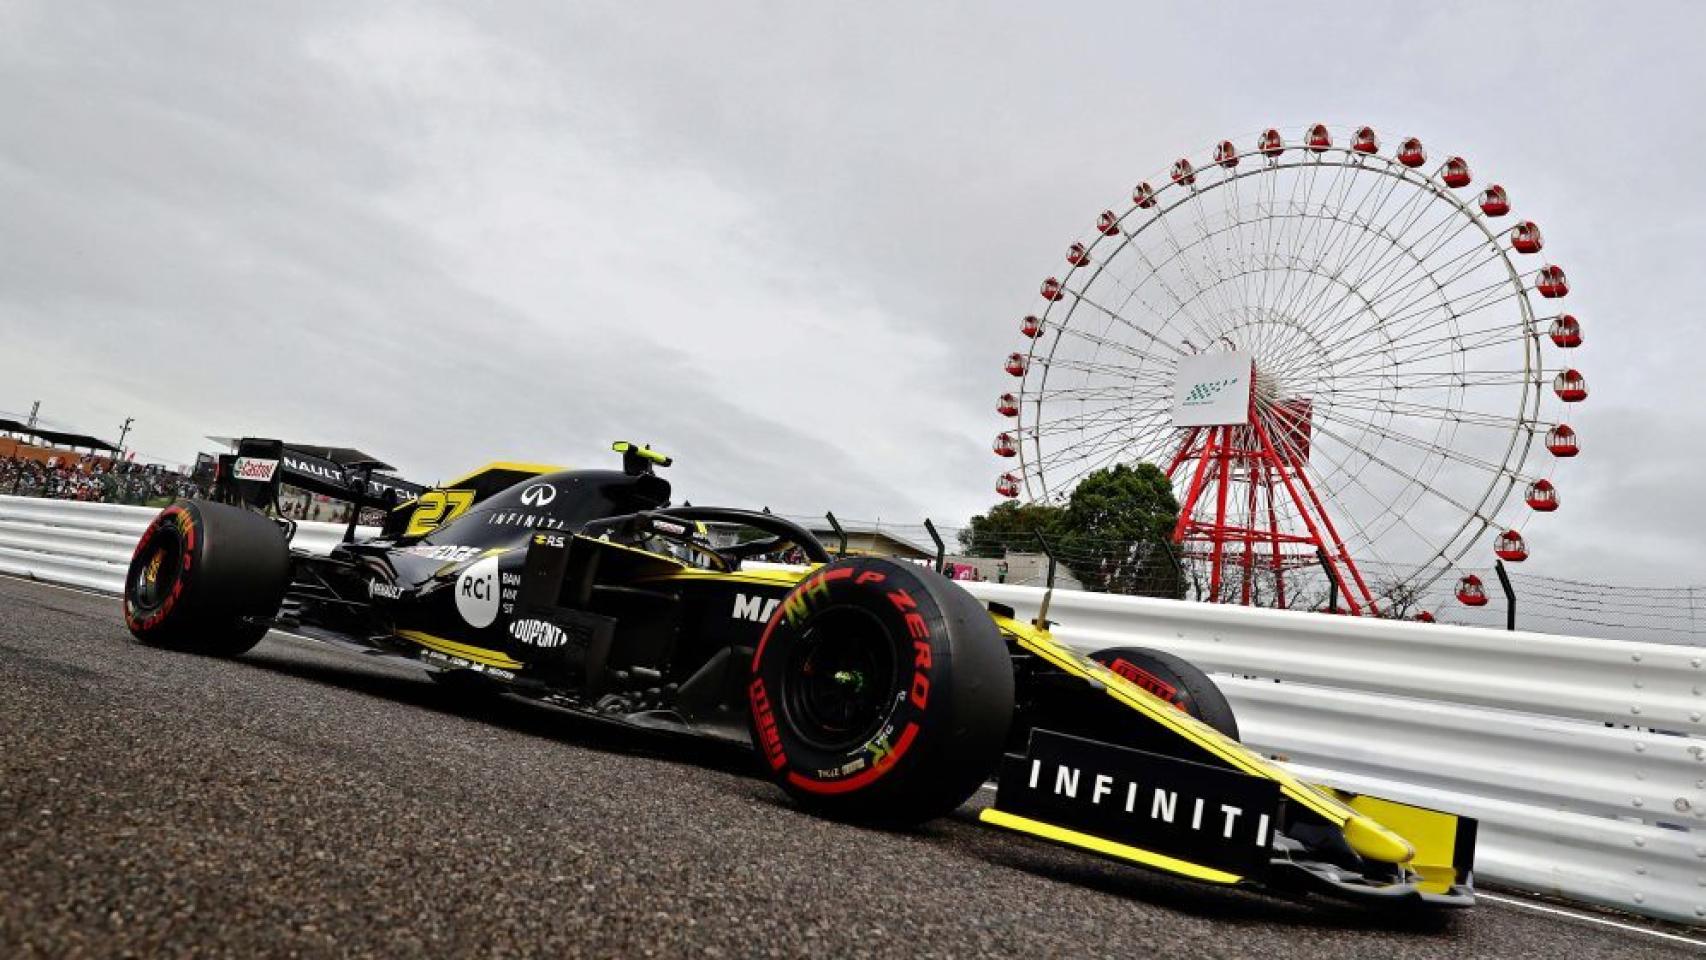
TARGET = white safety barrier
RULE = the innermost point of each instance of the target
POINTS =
(1584, 759)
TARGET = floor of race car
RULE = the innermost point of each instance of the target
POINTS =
(301, 801)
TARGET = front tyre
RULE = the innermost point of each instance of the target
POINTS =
(1175, 680)
(202, 575)
(880, 692)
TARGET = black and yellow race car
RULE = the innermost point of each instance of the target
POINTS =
(871, 689)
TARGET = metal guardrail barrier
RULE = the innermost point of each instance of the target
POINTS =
(1584, 759)
(88, 545)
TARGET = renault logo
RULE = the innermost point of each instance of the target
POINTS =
(539, 495)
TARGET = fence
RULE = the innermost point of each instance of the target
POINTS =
(1670, 613)
(1584, 759)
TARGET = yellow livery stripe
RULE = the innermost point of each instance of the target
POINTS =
(480, 655)
(509, 466)
(1048, 831)
(769, 578)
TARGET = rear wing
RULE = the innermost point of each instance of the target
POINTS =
(253, 475)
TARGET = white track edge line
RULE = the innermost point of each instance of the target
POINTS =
(1585, 917)
(85, 591)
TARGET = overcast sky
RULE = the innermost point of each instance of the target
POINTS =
(787, 243)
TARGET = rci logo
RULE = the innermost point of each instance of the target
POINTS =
(1205, 392)
(477, 593)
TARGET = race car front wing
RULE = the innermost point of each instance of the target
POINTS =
(1219, 826)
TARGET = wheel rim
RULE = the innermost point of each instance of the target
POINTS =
(840, 680)
(159, 573)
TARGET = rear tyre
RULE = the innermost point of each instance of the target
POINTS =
(880, 692)
(1175, 680)
(204, 578)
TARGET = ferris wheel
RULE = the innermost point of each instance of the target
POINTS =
(1347, 360)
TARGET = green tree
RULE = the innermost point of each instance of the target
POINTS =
(1010, 526)
(1114, 537)
(1112, 534)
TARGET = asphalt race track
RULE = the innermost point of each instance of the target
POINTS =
(303, 802)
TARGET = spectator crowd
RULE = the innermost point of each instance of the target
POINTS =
(93, 481)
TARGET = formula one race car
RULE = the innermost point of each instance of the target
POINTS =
(872, 689)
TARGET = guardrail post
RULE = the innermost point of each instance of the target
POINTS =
(941, 548)
(1510, 595)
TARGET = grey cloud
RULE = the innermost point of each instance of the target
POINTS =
(791, 244)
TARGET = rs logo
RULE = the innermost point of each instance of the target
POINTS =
(757, 609)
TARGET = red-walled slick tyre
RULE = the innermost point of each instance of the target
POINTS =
(880, 692)
(203, 577)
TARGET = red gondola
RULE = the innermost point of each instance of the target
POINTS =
(1525, 237)
(1551, 282)
(1143, 195)
(1017, 364)
(1426, 616)
(1542, 496)
(1365, 141)
(1108, 224)
(1495, 202)
(1561, 440)
(1510, 546)
(1411, 154)
(1004, 445)
(1270, 143)
(1031, 326)
(1470, 592)
(1007, 405)
(1226, 154)
(1077, 255)
(1052, 290)
(1183, 173)
(1007, 485)
(1455, 173)
(1570, 386)
(1565, 332)
(1319, 139)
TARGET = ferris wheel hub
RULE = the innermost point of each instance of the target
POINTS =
(1213, 389)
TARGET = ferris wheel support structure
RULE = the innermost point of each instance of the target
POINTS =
(1227, 456)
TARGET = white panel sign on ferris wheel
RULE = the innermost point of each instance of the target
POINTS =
(1213, 389)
